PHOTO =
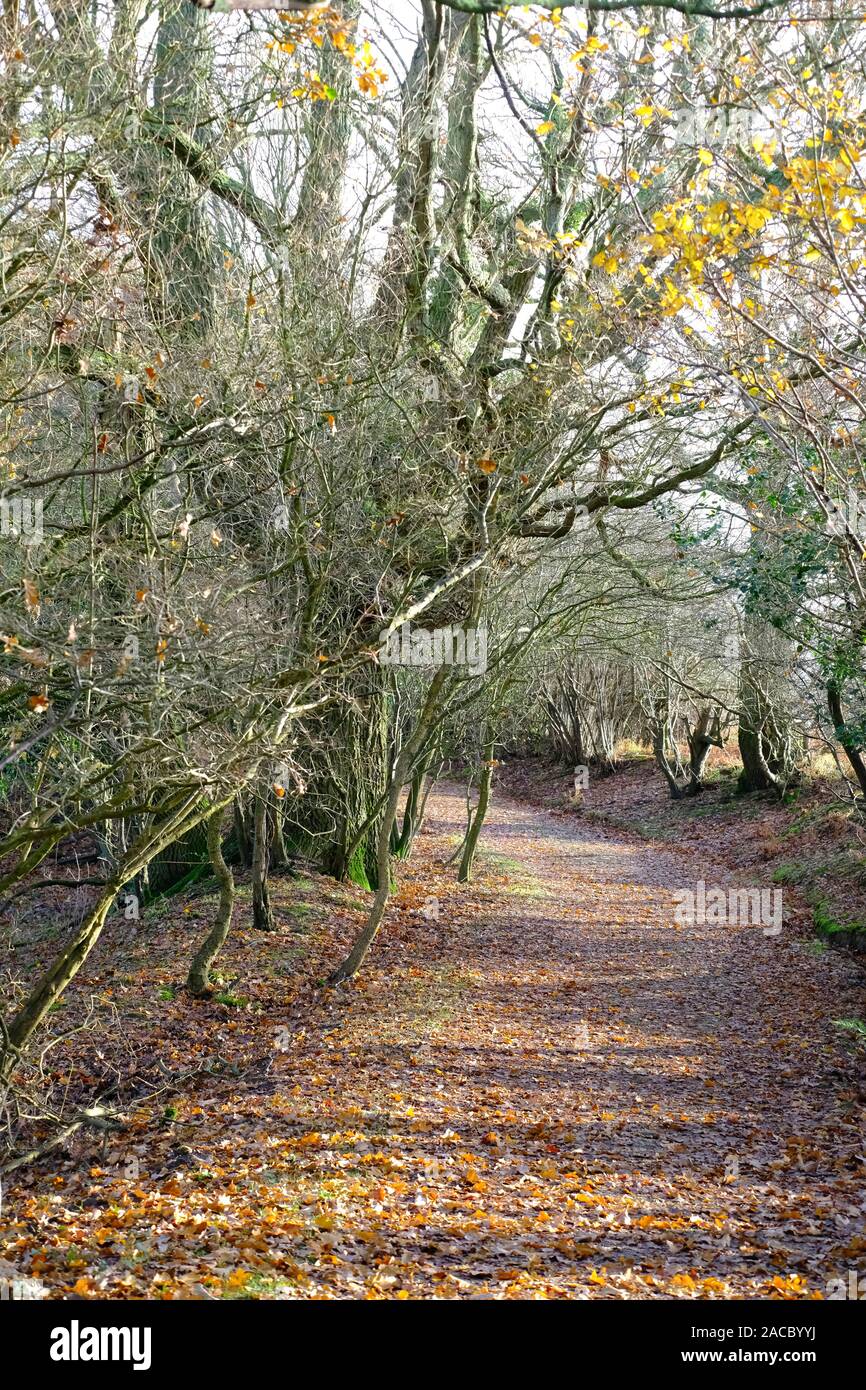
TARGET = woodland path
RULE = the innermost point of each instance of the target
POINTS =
(552, 1091)
(576, 1097)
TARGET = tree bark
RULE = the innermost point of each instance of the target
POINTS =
(198, 979)
(263, 915)
(401, 844)
(365, 939)
(405, 760)
(464, 873)
(850, 746)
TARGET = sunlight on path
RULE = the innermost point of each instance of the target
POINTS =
(581, 1098)
(551, 1089)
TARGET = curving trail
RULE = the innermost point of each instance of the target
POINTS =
(575, 1097)
(552, 1091)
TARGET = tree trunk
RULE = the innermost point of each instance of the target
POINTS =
(756, 775)
(365, 939)
(769, 746)
(464, 873)
(660, 753)
(403, 766)
(706, 735)
(401, 844)
(756, 737)
(243, 844)
(850, 746)
(198, 979)
(281, 854)
(336, 824)
(263, 916)
(699, 752)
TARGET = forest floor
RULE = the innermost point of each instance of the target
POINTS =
(550, 1090)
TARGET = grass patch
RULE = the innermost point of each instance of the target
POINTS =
(857, 1026)
(790, 873)
(258, 1286)
(521, 882)
(827, 925)
(299, 909)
